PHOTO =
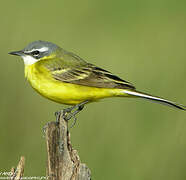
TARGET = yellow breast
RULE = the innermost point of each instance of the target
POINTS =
(42, 81)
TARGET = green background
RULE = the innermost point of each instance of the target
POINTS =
(140, 41)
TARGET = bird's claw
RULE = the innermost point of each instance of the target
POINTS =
(68, 113)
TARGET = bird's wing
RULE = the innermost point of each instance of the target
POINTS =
(90, 75)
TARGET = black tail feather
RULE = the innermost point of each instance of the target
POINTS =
(155, 99)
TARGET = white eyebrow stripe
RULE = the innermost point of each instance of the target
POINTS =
(43, 49)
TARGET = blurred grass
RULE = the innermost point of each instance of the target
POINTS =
(141, 41)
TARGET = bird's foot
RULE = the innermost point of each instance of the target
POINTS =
(70, 113)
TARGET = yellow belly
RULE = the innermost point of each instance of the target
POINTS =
(65, 93)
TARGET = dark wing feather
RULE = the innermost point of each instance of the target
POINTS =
(90, 75)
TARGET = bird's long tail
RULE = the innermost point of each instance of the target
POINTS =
(154, 98)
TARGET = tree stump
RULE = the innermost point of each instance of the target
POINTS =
(63, 161)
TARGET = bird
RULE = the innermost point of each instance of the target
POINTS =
(66, 78)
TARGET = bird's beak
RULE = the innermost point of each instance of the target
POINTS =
(17, 53)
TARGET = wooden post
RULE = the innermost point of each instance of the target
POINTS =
(63, 161)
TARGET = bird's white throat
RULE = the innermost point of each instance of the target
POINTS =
(29, 60)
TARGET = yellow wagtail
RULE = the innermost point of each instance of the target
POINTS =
(65, 78)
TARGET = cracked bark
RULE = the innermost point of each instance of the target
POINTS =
(63, 161)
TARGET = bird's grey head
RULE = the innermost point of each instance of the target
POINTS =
(36, 51)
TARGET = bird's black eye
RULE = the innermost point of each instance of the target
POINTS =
(35, 53)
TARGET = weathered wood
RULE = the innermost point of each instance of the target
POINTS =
(17, 174)
(63, 161)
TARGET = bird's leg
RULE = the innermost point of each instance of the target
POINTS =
(68, 113)
(57, 114)
(73, 115)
